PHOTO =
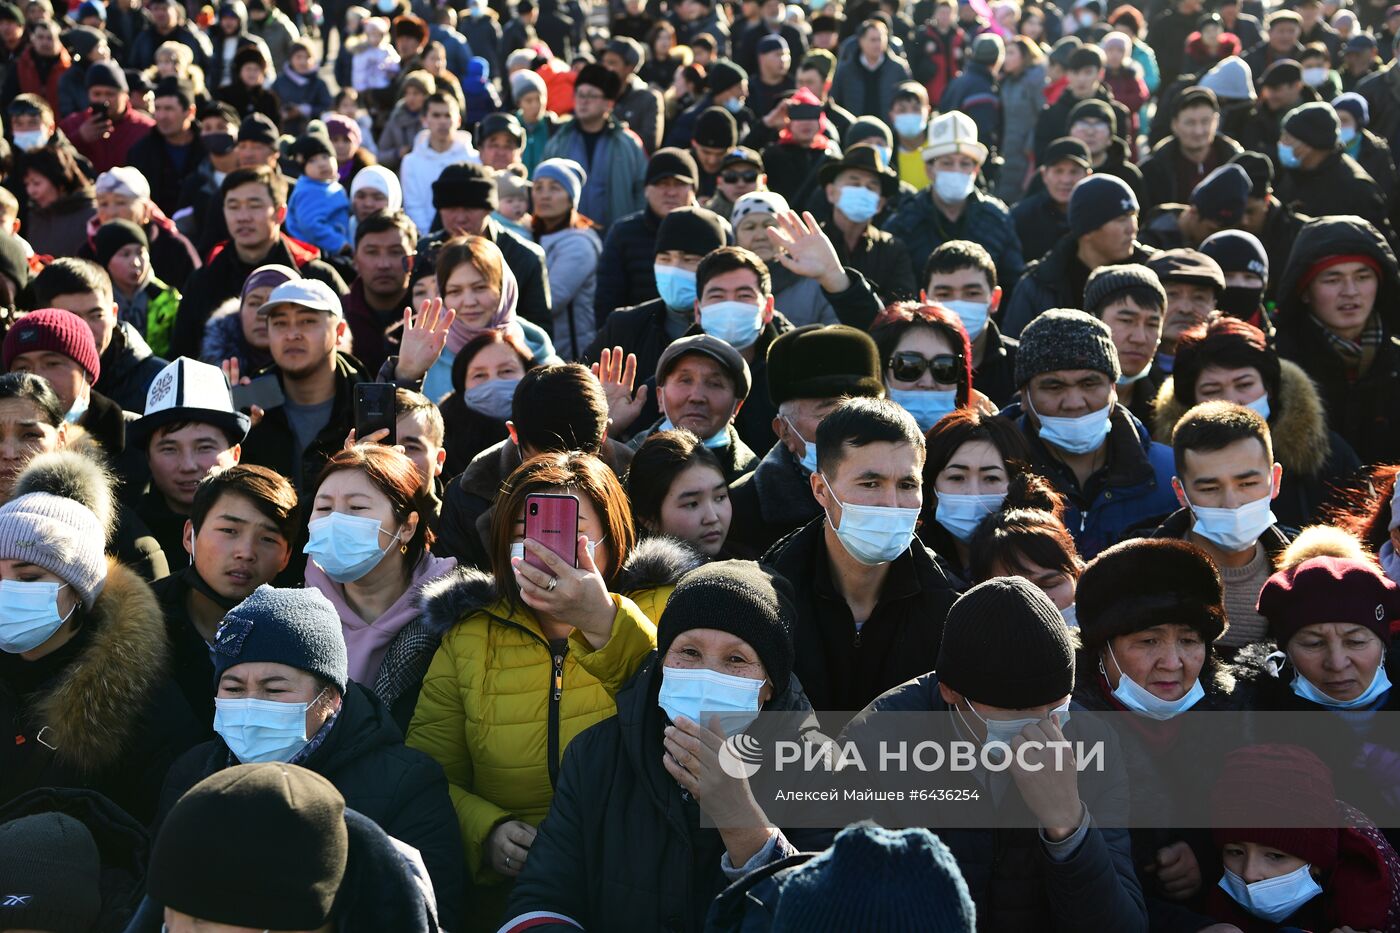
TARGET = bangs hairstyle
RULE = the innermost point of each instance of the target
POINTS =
(1028, 530)
(1228, 343)
(575, 473)
(484, 255)
(35, 390)
(480, 342)
(266, 491)
(956, 255)
(857, 422)
(394, 475)
(964, 426)
(662, 457)
(898, 319)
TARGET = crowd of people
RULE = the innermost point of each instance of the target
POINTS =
(999, 361)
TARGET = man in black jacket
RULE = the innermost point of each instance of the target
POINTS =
(871, 613)
(1042, 217)
(1194, 150)
(1085, 71)
(858, 187)
(1168, 33)
(1275, 224)
(1318, 177)
(172, 150)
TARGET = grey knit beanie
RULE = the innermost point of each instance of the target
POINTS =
(50, 874)
(1063, 338)
(295, 627)
(60, 535)
(1107, 282)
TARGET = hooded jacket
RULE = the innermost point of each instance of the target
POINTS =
(1314, 457)
(1366, 410)
(1338, 186)
(101, 711)
(363, 755)
(422, 166)
(500, 703)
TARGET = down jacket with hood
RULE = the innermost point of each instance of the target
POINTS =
(363, 755)
(500, 703)
(1314, 457)
(1364, 408)
(422, 166)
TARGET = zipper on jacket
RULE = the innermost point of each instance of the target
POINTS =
(559, 649)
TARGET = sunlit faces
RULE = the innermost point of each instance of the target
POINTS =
(666, 194)
(463, 221)
(301, 339)
(976, 468)
(699, 395)
(697, 508)
(67, 599)
(928, 343)
(1061, 178)
(1136, 332)
(381, 261)
(500, 150)
(709, 158)
(552, 201)
(1338, 658)
(1342, 297)
(129, 268)
(738, 179)
(279, 683)
(879, 473)
(751, 235)
(1165, 660)
(471, 296)
(494, 361)
(1113, 242)
(351, 492)
(422, 444)
(97, 312)
(1095, 134)
(1195, 127)
(590, 523)
(67, 379)
(113, 205)
(679, 259)
(1243, 385)
(24, 433)
(238, 549)
(253, 217)
(799, 421)
(41, 192)
(254, 324)
(182, 455)
(1069, 393)
(712, 649)
(1188, 304)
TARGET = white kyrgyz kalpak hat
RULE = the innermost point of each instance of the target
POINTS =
(952, 132)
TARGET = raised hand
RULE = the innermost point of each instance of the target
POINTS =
(805, 250)
(618, 373)
(422, 339)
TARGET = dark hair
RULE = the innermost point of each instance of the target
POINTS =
(258, 175)
(860, 421)
(394, 475)
(662, 457)
(900, 318)
(1014, 538)
(481, 341)
(69, 275)
(267, 491)
(382, 221)
(31, 103)
(58, 164)
(1030, 49)
(1315, 49)
(446, 100)
(408, 402)
(727, 259)
(910, 90)
(1140, 295)
(1216, 425)
(171, 427)
(34, 389)
(963, 426)
(655, 32)
(1363, 508)
(558, 408)
(1228, 343)
(961, 254)
(482, 253)
(705, 41)
(582, 474)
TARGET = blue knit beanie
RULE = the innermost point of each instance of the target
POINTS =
(877, 879)
(567, 173)
(296, 627)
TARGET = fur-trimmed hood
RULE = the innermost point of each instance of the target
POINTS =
(93, 707)
(1300, 435)
(654, 562)
(79, 473)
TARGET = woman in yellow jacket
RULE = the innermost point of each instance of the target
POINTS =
(534, 657)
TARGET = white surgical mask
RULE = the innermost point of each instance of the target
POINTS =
(874, 534)
(29, 140)
(1141, 700)
(973, 315)
(953, 187)
(29, 614)
(1273, 899)
(909, 125)
(1312, 77)
(492, 398)
(1004, 730)
(1233, 529)
(926, 405)
(737, 323)
(1306, 689)
(691, 692)
(346, 547)
(857, 203)
(1346, 135)
(1076, 435)
(961, 514)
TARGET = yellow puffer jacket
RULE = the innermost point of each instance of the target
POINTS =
(489, 711)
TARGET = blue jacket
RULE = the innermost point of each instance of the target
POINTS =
(922, 228)
(1134, 490)
(974, 92)
(319, 213)
(459, 50)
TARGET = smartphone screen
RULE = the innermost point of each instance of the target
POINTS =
(374, 411)
(552, 521)
(264, 392)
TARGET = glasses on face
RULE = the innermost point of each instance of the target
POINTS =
(588, 96)
(734, 178)
(908, 366)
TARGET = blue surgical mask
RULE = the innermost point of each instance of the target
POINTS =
(734, 105)
(857, 203)
(737, 323)
(1233, 529)
(492, 398)
(1390, 561)
(1071, 616)
(926, 405)
(809, 449)
(346, 547)
(1076, 435)
(873, 534)
(676, 286)
(715, 441)
(1260, 406)
(261, 730)
(973, 315)
(961, 514)
(1273, 899)
(1346, 134)
(691, 692)
(953, 187)
(1287, 157)
(80, 407)
(29, 140)
(909, 125)
(1380, 683)
(886, 153)
(1004, 730)
(1141, 700)
(29, 614)
(1126, 380)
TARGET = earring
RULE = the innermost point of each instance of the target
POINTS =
(403, 548)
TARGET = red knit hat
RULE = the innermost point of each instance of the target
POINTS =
(54, 330)
(1329, 589)
(1264, 786)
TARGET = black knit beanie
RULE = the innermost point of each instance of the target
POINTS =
(692, 230)
(1098, 199)
(260, 845)
(113, 235)
(296, 627)
(1107, 282)
(1006, 645)
(1314, 123)
(1260, 169)
(1220, 197)
(1144, 582)
(466, 185)
(741, 598)
(723, 75)
(50, 861)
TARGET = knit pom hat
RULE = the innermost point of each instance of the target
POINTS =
(1098, 199)
(1063, 338)
(567, 173)
(904, 881)
(1144, 582)
(739, 597)
(1329, 589)
(50, 873)
(523, 82)
(221, 829)
(296, 627)
(1108, 282)
(57, 331)
(1006, 645)
(1261, 786)
(60, 535)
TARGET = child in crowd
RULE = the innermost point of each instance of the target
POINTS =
(319, 210)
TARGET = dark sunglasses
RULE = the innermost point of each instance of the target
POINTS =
(908, 366)
(734, 178)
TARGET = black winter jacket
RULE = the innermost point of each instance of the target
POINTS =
(1159, 170)
(629, 253)
(1039, 224)
(770, 503)
(1056, 280)
(1338, 186)
(128, 367)
(363, 755)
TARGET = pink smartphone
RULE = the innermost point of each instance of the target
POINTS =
(552, 520)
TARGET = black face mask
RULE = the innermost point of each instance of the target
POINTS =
(1241, 301)
(219, 143)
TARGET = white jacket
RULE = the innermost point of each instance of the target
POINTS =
(422, 166)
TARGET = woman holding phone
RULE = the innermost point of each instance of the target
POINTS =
(534, 653)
